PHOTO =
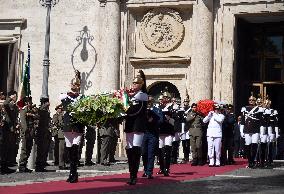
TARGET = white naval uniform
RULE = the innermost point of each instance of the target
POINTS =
(214, 136)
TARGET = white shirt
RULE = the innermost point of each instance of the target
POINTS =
(215, 124)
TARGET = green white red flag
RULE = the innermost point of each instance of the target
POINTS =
(24, 90)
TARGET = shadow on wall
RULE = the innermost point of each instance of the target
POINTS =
(84, 58)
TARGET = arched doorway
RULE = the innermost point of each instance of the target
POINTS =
(156, 88)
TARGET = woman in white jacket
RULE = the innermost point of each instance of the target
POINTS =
(214, 134)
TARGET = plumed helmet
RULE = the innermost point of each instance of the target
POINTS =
(141, 79)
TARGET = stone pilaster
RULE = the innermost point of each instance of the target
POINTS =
(201, 70)
(111, 45)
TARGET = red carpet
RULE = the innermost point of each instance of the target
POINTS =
(109, 183)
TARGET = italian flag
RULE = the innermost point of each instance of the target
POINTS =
(24, 90)
(125, 100)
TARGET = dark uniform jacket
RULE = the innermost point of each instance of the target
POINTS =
(228, 125)
(136, 117)
(44, 119)
(69, 124)
(252, 119)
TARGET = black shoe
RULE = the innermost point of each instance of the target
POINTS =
(150, 176)
(46, 164)
(200, 164)
(40, 169)
(193, 164)
(144, 175)
(6, 170)
(132, 181)
(90, 163)
(211, 165)
(105, 164)
(73, 178)
(166, 173)
(24, 169)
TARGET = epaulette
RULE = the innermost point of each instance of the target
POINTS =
(243, 109)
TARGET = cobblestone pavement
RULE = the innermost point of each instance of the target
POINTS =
(241, 181)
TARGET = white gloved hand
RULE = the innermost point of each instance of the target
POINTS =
(242, 131)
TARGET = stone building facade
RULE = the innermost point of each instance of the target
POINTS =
(194, 47)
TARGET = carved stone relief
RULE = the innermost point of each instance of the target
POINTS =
(162, 30)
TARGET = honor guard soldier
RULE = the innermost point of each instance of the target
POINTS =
(272, 131)
(250, 129)
(185, 134)
(73, 131)
(135, 125)
(166, 135)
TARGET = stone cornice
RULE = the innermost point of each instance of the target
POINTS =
(13, 23)
(164, 60)
(236, 2)
(153, 3)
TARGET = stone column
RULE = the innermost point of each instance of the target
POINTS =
(111, 45)
(201, 70)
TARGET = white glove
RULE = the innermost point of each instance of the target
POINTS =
(242, 131)
(277, 132)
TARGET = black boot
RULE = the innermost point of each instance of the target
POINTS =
(247, 149)
(262, 154)
(73, 177)
(167, 162)
(130, 158)
(254, 152)
(69, 151)
(161, 160)
(270, 149)
(136, 155)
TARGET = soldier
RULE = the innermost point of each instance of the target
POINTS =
(251, 126)
(228, 136)
(178, 116)
(27, 118)
(43, 134)
(72, 131)
(9, 131)
(272, 130)
(114, 141)
(59, 137)
(135, 125)
(194, 123)
(107, 131)
(90, 142)
(214, 134)
(166, 135)
(185, 134)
